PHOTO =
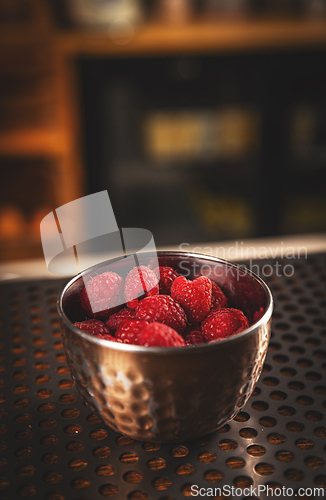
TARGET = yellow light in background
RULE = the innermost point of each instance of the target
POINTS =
(228, 132)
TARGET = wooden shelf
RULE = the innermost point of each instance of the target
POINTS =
(201, 36)
(32, 142)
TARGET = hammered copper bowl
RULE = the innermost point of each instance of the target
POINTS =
(170, 394)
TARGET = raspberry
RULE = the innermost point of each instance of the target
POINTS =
(258, 314)
(162, 309)
(167, 275)
(159, 335)
(218, 297)
(108, 337)
(103, 294)
(95, 327)
(193, 336)
(194, 296)
(116, 319)
(223, 322)
(249, 295)
(139, 282)
(129, 330)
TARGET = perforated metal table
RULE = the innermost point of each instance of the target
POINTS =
(52, 447)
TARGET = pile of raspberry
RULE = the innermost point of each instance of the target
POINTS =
(162, 309)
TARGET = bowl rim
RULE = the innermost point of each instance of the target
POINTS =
(171, 350)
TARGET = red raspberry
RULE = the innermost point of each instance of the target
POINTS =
(108, 337)
(159, 335)
(167, 275)
(162, 309)
(129, 330)
(258, 314)
(194, 296)
(193, 336)
(223, 322)
(218, 297)
(249, 295)
(116, 319)
(103, 294)
(141, 281)
(95, 327)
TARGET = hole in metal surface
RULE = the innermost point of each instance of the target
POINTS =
(285, 456)
(185, 470)
(213, 476)
(304, 444)
(241, 417)
(105, 470)
(53, 477)
(128, 458)
(270, 381)
(256, 450)
(286, 411)
(314, 416)
(225, 428)
(22, 418)
(228, 444)
(207, 457)
(267, 421)
(259, 406)
(278, 396)
(72, 429)
(304, 400)
(137, 495)
(151, 446)
(296, 386)
(75, 446)
(70, 413)
(243, 482)
(276, 438)
(235, 463)
(314, 462)
(46, 408)
(26, 470)
(264, 469)
(101, 452)
(162, 483)
(156, 463)
(295, 427)
(320, 390)
(68, 398)
(321, 481)
(24, 452)
(27, 490)
(124, 440)
(77, 464)
(288, 372)
(294, 475)
(47, 424)
(179, 451)
(320, 432)
(248, 433)
(80, 483)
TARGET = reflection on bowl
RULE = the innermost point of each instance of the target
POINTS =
(170, 394)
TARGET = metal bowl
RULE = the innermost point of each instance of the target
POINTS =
(170, 394)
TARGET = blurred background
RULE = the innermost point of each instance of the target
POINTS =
(204, 119)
